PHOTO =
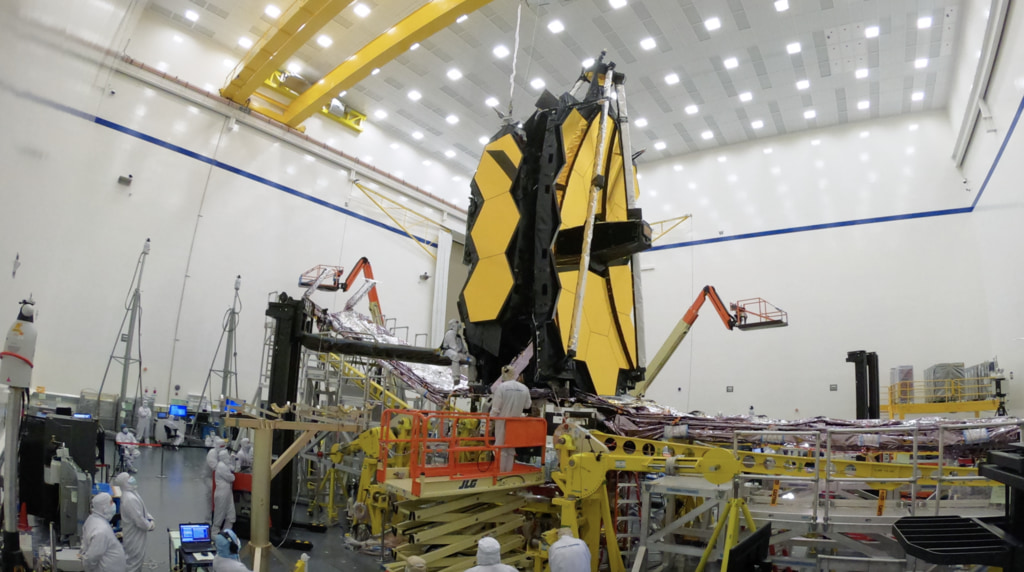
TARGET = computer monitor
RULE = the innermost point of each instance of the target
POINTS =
(179, 411)
(83, 416)
(161, 415)
(231, 406)
(199, 532)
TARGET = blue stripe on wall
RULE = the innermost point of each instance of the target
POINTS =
(294, 192)
(208, 160)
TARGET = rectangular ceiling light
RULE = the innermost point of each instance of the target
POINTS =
(793, 48)
(871, 32)
(781, 5)
(924, 22)
(712, 23)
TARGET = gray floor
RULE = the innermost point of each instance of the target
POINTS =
(183, 496)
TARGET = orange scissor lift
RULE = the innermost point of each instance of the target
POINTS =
(454, 452)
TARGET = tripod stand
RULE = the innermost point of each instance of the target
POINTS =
(228, 373)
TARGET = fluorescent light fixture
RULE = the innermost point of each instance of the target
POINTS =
(449, 153)
(705, 135)
(483, 140)
(361, 10)
(375, 71)
(863, 104)
(924, 22)
(427, 163)
(394, 145)
(294, 67)
(245, 42)
(616, 4)
(815, 142)
(721, 159)
(793, 48)
(642, 122)
(648, 43)
(810, 114)
(746, 96)
(272, 11)
(677, 168)
(767, 150)
(343, 93)
(537, 83)
(756, 124)
(500, 51)
(415, 95)
(917, 96)
(454, 74)
(492, 102)
(414, 47)
(417, 135)
(730, 63)
(660, 145)
(324, 41)
(380, 114)
(556, 26)
(229, 63)
(913, 127)
(588, 62)
(191, 15)
(672, 78)
(920, 63)
(690, 109)
(871, 32)
(452, 119)
(865, 134)
(461, 19)
(178, 39)
(781, 5)
(861, 73)
(712, 23)
(803, 84)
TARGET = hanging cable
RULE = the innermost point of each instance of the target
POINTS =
(515, 58)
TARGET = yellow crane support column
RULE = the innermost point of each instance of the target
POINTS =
(300, 23)
(418, 26)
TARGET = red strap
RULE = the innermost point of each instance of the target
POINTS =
(12, 354)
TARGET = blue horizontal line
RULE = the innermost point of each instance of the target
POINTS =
(875, 220)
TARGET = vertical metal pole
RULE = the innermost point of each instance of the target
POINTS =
(229, 349)
(828, 477)
(126, 364)
(913, 485)
(11, 504)
(817, 478)
(597, 183)
(260, 519)
(938, 477)
(627, 177)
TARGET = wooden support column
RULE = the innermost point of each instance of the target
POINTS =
(260, 519)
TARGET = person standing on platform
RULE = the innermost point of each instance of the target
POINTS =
(509, 399)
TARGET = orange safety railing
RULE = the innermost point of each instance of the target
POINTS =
(758, 310)
(455, 444)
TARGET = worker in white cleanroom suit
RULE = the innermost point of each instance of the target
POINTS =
(488, 557)
(223, 498)
(228, 547)
(101, 552)
(508, 399)
(128, 447)
(568, 553)
(244, 453)
(454, 348)
(415, 564)
(135, 522)
(142, 416)
(212, 459)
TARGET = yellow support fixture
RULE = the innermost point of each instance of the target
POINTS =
(663, 227)
(352, 119)
(300, 23)
(418, 26)
(370, 194)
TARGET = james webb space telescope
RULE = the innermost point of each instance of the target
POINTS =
(553, 236)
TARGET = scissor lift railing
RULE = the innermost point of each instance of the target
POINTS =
(449, 445)
(972, 395)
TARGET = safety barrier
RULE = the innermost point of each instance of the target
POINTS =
(454, 445)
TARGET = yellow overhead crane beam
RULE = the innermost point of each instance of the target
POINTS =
(300, 23)
(418, 26)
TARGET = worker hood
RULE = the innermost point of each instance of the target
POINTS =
(244, 444)
(103, 506)
(488, 551)
(224, 456)
(453, 324)
(125, 481)
(565, 531)
(219, 443)
(224, 543)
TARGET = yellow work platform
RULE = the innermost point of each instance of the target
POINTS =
(903, 409)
